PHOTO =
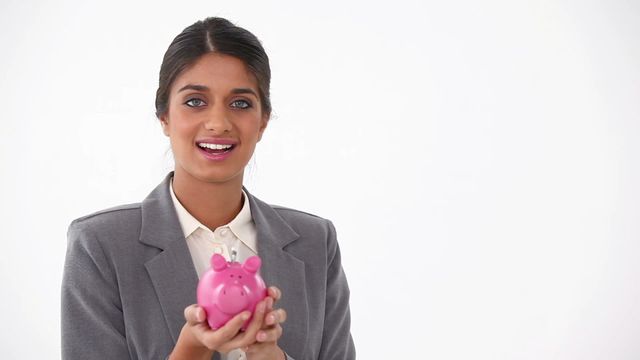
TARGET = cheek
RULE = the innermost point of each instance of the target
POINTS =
(183, 126)
(251, 126)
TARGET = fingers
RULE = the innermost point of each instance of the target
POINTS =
(231, 328)
(248, 336)
(194, 314)
(263, 328)
(275, 317)
(271, 331)
(258, 318)
(205, 336)
(268, 304)
(270, 335)
(274, 292)
(222, 338)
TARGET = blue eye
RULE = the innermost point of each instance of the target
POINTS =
(195, 102)
(242, 104)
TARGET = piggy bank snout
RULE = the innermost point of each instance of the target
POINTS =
(233, 298)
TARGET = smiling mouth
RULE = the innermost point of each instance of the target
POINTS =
(216, 148)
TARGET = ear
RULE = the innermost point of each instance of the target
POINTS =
(164, 121)
(218, 262)
(263, 126)
(252, 264)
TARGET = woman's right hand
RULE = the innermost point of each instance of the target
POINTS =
(198, 341)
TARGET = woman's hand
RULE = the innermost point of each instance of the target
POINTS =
(198, 341)
(266, 347)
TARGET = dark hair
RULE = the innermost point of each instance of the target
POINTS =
(213, 34)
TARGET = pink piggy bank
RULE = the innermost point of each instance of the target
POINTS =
(229, 288)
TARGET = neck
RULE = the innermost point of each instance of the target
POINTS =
(213, 204)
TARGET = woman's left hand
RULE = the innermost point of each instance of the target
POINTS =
(266, 347)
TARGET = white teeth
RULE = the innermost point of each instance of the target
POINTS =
(214, 146)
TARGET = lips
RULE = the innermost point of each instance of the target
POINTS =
(216, 148)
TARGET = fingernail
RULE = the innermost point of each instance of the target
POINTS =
(262, 336)
(271, 319)
(245, 316)
(261, 306)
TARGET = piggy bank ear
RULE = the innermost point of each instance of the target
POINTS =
(252, 264)
(218, 262)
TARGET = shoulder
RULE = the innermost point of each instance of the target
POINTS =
(309, 226)
(299, 219)
(302, 222)
(299, 216)
(105, 226)
(109, 217)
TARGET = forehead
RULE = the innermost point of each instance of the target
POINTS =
(218, 72)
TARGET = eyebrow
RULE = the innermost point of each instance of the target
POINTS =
(206, 88)
(193, 87)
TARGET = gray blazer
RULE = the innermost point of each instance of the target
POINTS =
(128, 276)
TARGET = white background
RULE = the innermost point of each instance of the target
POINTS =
(480, 160)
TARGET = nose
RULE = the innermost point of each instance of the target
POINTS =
(217, 121)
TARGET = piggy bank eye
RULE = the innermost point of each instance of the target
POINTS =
(231, 275)
(239, 276)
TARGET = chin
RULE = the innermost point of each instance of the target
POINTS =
(220, 177)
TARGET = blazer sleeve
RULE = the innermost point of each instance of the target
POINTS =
(337, 342)
(92, 321)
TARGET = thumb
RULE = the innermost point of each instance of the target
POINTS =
(194, 314)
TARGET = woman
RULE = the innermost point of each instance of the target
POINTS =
(131, 272)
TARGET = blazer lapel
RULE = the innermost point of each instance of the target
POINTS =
(172, 272)
(282, 269)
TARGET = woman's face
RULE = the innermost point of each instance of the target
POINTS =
(214, 118)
